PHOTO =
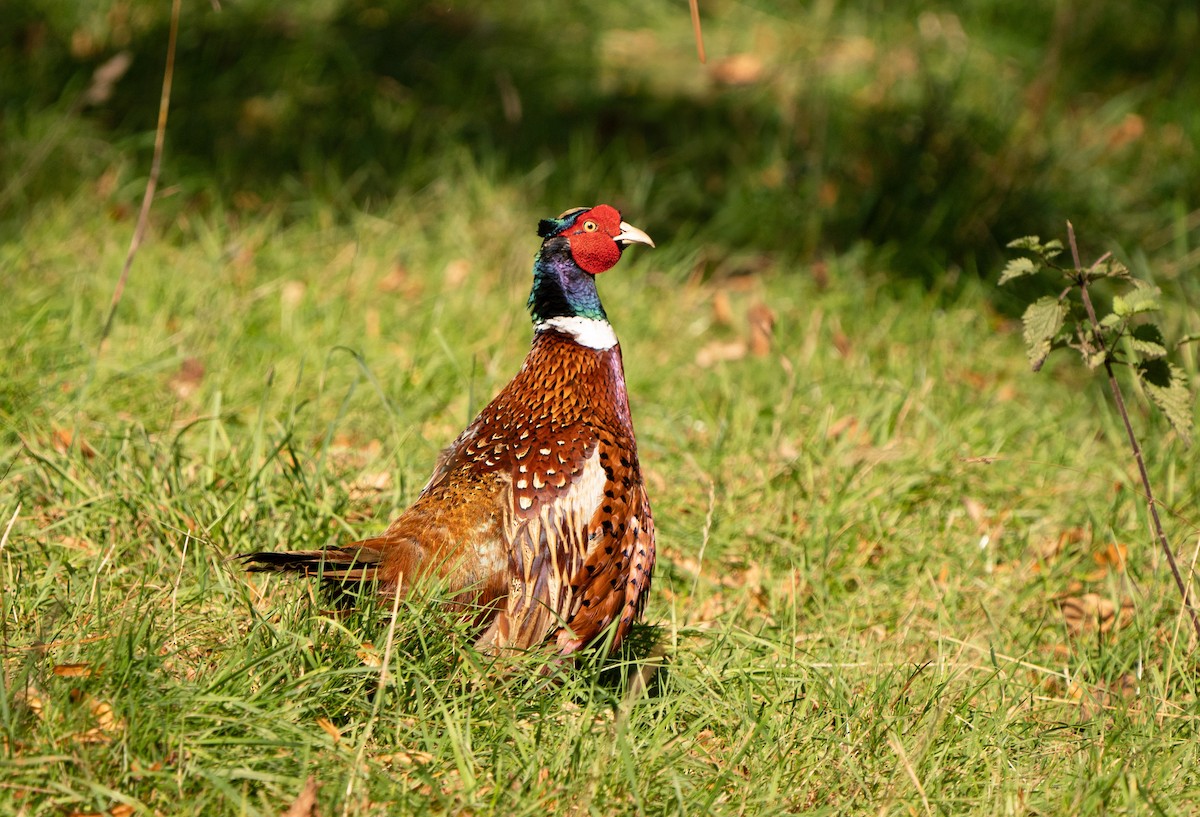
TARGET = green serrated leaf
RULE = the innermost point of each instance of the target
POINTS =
(1111, 320)
(1029, 242)
(1166, 385)
(1148, 350)
(1042, 319)
(1017, 268)
(1051, 248)
(1147, 341)
(1142, 298)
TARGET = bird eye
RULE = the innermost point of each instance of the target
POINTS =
(590, 226)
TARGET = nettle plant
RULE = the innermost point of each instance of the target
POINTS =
(1127, 336)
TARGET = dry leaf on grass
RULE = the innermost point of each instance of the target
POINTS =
(720, 351)
(722, 309)
(64, 439)
(1113, 556)
(848, 427)
(187, 380)
(399, 281)
(291, 295)
(1091, 611)
(369, 655)
(457, 272)
(396, 760)
(32, 699)
(737, 69)
(83, 670)
(108, 725)
(976, 510)
(1128, 130)
(762, 329)
(329, 728)
(841, 342)
(1050, 547)
(305, 804)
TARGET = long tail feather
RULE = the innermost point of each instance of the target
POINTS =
(345, 565)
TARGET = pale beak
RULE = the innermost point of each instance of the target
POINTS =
(632, 235)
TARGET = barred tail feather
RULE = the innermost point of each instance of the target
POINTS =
(343, 565)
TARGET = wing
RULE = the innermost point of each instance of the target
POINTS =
(615, 580)
(580, 558)
(551, 500)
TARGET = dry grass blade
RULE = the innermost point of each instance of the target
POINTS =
(695, 8)
(164, 104)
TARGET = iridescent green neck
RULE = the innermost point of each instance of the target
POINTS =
(560, 288)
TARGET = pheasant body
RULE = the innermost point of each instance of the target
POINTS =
(536, 518)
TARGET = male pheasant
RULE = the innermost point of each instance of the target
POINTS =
(536, 519)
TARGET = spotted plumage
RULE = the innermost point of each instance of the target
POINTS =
(536, 518)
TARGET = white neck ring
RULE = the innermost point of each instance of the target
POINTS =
(589, 332)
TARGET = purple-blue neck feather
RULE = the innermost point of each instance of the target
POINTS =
(560, 287)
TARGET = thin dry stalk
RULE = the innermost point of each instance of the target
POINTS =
(164, 104)
(695, 6)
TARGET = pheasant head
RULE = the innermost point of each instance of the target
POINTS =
(576, 247)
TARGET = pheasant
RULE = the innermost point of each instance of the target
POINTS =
(536, 519)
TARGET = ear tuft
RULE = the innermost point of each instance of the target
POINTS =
(547, 227)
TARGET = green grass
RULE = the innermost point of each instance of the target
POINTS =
(826, 634)
(868, 535)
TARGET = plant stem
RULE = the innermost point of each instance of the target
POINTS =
(1133, 443)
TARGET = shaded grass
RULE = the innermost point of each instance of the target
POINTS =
(934, 132)
(863, 535)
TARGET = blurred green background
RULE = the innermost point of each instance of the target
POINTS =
(930, 132)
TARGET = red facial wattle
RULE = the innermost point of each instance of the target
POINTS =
(591, 239)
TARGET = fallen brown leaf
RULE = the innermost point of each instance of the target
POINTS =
(720, 351)
(722, 309)
(737, 69)
(292, 294)
(305, 804)
(457, 272)
(63, 439)
(848, 427)
(820, 274)
(1050, 547)
(83, 670)
(398, 280)
(33, 701)
(1091, 611)
(1112, 556)
(187, 380)
(369, 655)
(975, 509)
(762, 329)
(409, 758)
(1128, 130)
(329, 728)
(841, 342)
(106, 76)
